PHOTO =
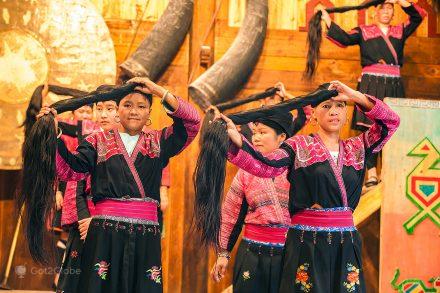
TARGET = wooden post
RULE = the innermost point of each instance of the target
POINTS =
(195, 259)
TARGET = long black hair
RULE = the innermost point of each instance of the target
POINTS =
(38, 185)
(252, 98)
(210, 171)
(235, 103)
(314, 35)
(36, 102)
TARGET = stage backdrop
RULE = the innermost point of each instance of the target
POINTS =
(63, 42)
(410, 221)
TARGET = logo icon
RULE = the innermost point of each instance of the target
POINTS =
(20, 271)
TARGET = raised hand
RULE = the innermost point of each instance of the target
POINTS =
(281, 89)
(325, 17)
(45, 110)
(233, 133)
(346, 93)
(146, 86)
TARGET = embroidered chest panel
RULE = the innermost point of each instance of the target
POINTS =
(372, 32)
(106, 144)
(262, 191)
(309, 151)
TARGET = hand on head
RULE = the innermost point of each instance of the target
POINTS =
(233, 133)
(325, 17)
(45, 110)
(345, 92)
(145, 85)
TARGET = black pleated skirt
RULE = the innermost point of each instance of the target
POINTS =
(379, 87)
(120, 257)
(322, 262)
(71, 268)
(257, 268)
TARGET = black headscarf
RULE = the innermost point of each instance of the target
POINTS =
(281, 122)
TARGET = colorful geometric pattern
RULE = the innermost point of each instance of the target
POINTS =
(414, 285)
(423, 185)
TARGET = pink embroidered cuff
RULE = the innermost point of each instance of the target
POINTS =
(64, 172)
(245, 160)
(335, 42)
(380, 133)
(420, 10)
(378, 111)
(185, 111)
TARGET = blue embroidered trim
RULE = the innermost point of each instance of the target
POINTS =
(330, 209)
(323, 229)
(126, 220)
(275, 225)
(270, 244)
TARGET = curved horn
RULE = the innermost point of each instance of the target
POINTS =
(158, 49)
(224, 79)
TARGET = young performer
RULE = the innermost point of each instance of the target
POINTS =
(78, 208)
(83, 113)
(279, 96)
(261, 204)
(122, 248)
(323, 248)
(381, 47)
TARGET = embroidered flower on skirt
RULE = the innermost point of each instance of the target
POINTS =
(102, 268)
(74, 254)
(154, 274)
(303, 278)
(352, 278)
(246, 275)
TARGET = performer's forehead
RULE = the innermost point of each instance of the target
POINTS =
(137, 94)
(380, 6)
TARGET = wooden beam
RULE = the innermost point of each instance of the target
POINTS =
(370, 202)
(195, 259)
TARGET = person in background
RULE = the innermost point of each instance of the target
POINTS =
(381, 47)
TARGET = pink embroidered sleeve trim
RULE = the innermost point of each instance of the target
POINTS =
(186, 111)
(191, 120)
(388, 117)
(335, 42)
(231, 209)
(245, 161)
(69, 210)
(420, 10)
(65, 173)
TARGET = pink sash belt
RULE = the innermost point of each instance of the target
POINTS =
(323, 219)
(265, 234)
(382, 69)
(131, 209)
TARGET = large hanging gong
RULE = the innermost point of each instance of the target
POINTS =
(64, 42)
